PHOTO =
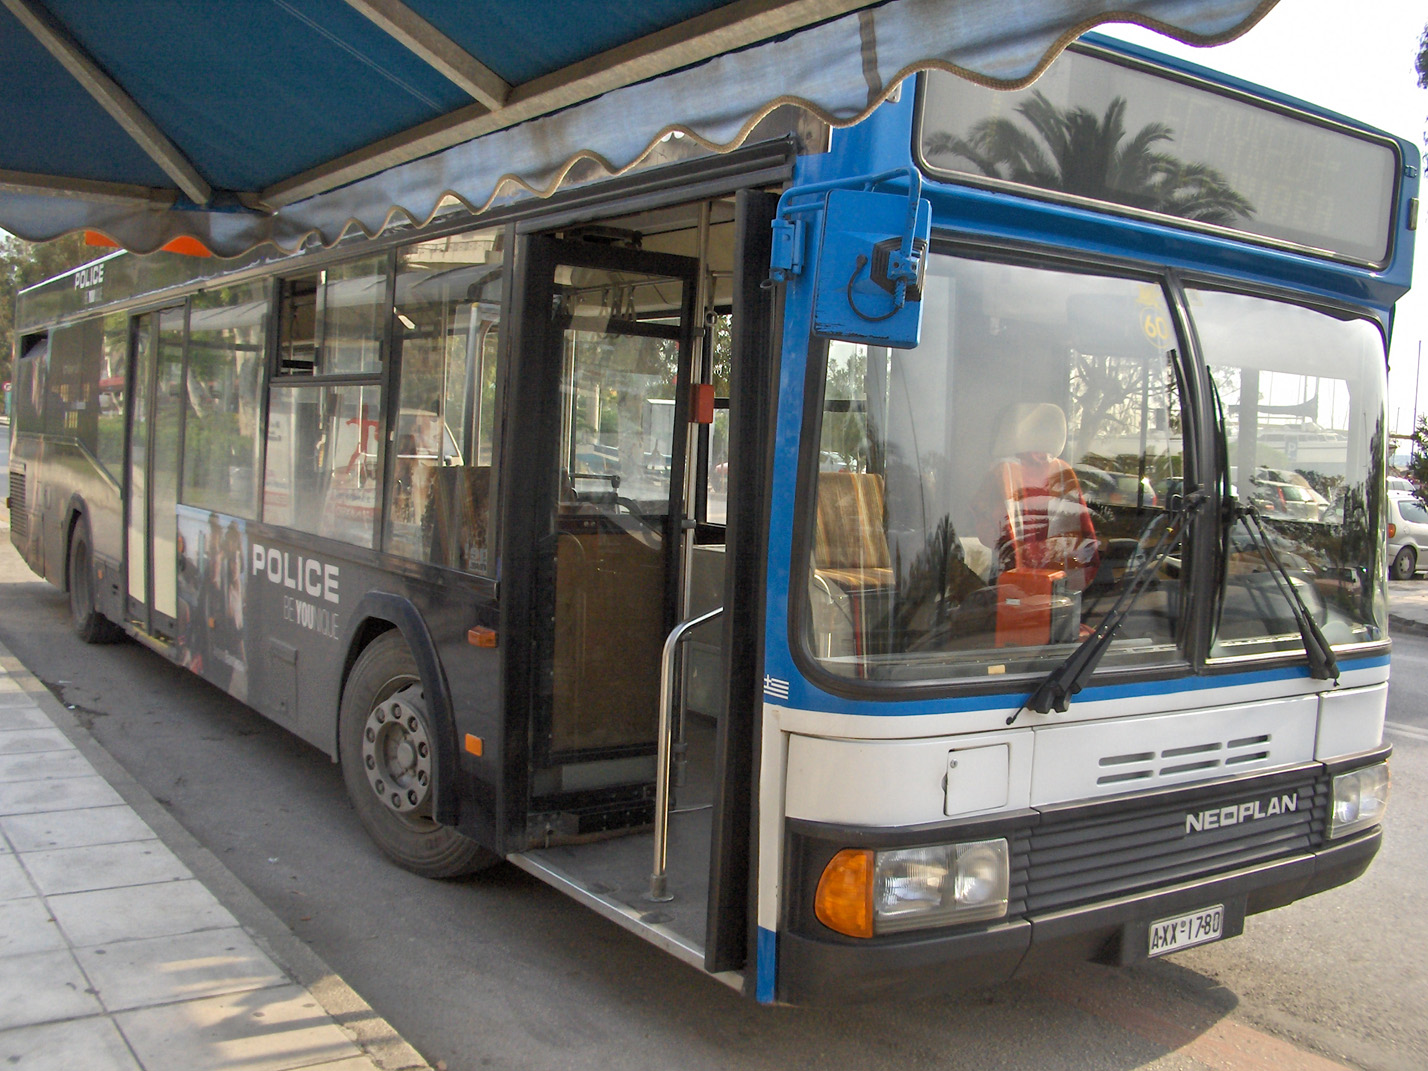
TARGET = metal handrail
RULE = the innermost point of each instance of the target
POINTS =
(659, 882)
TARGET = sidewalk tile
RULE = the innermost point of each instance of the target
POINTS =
(138, 911)
(44, 766)
(164, 970)
(61, 794)
(74, 829)
(14, 885)
(26, 926)
(44, 987)
(30, 717)
(81, 1045)
(12, 695)
(265, 1030)
(355, 1063)
(24, 741)
(103, 866)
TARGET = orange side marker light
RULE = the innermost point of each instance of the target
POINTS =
(481, 636)
(474, 744)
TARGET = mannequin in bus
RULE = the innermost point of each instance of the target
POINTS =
(1032, 512)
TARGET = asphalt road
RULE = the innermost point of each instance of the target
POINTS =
(500, 971)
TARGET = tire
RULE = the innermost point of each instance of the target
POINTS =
(89, 624)
(1405, 564)
(388, 755)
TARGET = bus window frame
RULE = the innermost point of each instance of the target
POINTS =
(271, 294)
(477, 416)
(382, 378)
(1211, 664)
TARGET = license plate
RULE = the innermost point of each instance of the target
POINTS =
(1183, 931)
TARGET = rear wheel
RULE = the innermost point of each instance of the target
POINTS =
(89, 624)
(388, 754)
(1405, 564)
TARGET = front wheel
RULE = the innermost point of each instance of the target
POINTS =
(89, 624)
(1405, 564)
(388, 754)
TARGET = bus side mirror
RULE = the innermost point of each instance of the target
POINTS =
(870, 269)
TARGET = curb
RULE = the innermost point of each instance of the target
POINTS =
(353, 1015)
(1407, 624)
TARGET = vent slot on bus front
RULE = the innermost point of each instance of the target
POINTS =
(1192, 758)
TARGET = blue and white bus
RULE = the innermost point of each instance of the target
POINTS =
(887, 558)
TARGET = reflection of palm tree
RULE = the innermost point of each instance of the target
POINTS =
(1074, 151)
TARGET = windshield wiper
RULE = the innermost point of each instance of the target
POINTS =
(1323, 665)
(1068, 678)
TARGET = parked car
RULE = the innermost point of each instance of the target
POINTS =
(1289, 501)
(1407, 536)
(1399, 484)
(1116, 488)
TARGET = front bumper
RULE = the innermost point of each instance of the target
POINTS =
(817, 966)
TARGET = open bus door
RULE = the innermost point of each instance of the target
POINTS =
(608, 330)
(616, 534)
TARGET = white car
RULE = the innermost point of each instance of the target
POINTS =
(1407, 536)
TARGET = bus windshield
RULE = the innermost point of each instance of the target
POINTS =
(975, 522)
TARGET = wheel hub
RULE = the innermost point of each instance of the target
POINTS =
(396, 752)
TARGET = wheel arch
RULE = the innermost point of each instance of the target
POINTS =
(75, 513)
(381, 612)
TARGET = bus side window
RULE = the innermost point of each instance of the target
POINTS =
(324, 439)
(113, 380)
(222, 394)
(445, 331)
(29, 390)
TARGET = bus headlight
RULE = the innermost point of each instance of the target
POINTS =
(1360, 799)
(862, 893)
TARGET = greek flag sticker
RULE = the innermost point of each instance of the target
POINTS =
(775, 687)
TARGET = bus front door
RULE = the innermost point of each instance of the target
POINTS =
(151, 484)
(602, 404)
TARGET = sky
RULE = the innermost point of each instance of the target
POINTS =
(1356, 59)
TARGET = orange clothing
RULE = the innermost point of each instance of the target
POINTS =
(1039, 519)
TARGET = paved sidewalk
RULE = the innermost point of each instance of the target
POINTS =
(114, 955)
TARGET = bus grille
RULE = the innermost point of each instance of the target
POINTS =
(19, 518)
(1117, 848)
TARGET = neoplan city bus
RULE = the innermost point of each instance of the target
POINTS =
(851, 562)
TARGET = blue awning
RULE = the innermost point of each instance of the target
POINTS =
(240, 122)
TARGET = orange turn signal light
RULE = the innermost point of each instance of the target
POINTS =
(844, 901)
